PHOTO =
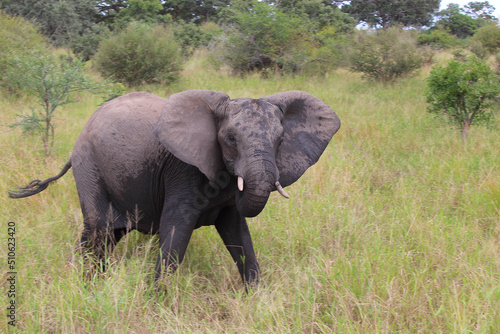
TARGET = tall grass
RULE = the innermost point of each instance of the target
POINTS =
(396, 229)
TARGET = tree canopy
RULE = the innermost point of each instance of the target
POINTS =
(61, 20)
(386, 13)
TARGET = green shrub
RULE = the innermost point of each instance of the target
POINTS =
(436, 38)
(190, 36)
(211, 30)
(86, 45)
(330, 50)
(477, 48)
(17, 37)
(463, 92)
(489, 37)
(140, 54)
(263, 38)
(387, 54)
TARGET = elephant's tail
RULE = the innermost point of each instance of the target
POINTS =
(37, 186)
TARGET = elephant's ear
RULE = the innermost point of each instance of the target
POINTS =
(187, 128)
(309, 124)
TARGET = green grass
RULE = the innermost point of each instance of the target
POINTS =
(396, 229)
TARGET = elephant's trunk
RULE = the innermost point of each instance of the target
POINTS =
(257, 183)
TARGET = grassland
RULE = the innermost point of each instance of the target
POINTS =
(396, 229)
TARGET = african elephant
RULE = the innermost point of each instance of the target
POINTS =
(198, 158)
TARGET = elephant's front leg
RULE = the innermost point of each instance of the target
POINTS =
(234, 231)
(176, 228)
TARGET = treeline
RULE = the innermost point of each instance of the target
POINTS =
(137, 42)
(144, 41)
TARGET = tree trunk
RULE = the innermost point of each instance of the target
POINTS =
(465, 127)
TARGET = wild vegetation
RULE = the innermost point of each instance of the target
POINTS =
(463, 92)
(291, 36)
(395, 229)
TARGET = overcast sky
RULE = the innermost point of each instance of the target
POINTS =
(494, 3)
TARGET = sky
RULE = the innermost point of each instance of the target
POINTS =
(494, 3)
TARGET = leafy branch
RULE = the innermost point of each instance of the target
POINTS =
(53, 82)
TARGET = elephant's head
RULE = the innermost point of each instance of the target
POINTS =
(266, 143)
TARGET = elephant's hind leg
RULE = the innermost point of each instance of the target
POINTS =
(103, 226)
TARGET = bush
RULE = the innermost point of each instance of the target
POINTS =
(436, 38)
(17, 37)
(489, 37)
(330, 51)
(86, 45)
(140, 54)
(190, 37)
(263, 38)
(463, 92)
(387, 54)
(477, 48)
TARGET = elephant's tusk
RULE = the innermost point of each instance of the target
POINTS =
(281, 190)
(240, 183)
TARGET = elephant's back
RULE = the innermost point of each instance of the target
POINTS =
(118, 140)
(128, 118)
(128, 112)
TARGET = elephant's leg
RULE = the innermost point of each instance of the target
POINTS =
(234, 231)
(174, 234)
(103, 226)
(99, 243)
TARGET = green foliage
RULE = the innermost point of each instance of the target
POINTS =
(52, 81)
(389, 54)
(481, 10)
(460, 25)
(477, 48)
(86, 45)
(463, 92)
(464, 23)
(140, 54)
(18, 37)
(331, 50)
(317, 15)
(146, 11)
(60, 20)
(197, 11)
(489, 37)
(211, 30)
(386, 13)
(436, 38)
(264, 37)
(189, 36)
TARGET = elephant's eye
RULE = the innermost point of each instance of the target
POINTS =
(231, 138)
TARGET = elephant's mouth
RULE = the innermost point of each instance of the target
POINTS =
(249, 204)
(252, 200)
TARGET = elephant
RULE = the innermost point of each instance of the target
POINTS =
(169, 166)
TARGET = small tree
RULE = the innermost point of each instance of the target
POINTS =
(386, 55)
(463, 92)
(51, 81)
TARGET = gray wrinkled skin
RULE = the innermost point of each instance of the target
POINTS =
(169, 166)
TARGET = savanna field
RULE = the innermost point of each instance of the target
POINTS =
(395, 229)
